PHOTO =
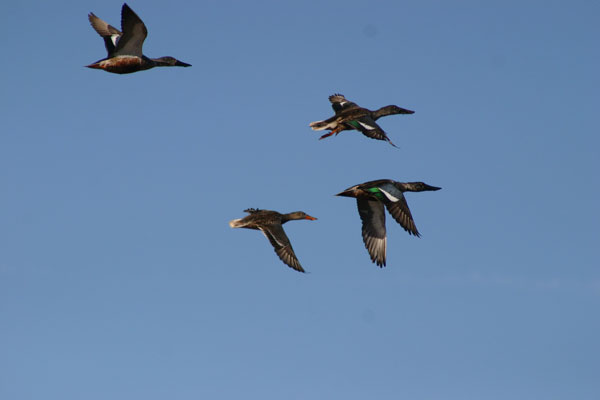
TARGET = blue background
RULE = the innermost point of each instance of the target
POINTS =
(120, 277)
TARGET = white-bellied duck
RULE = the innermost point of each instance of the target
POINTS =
(349, 115)
(269, 223)
(125, 48)
(371, 197)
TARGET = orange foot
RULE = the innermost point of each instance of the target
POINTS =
(335, 131)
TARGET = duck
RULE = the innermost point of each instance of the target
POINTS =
(270, 224)
(371, 198)
(349, 115)
(125, 48)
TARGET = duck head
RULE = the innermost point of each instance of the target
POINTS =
(298, 215)
(168, 61)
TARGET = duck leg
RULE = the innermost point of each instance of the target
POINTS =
(335, 131)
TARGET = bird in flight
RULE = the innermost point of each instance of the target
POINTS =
(349, 115)
(125, 48)
(371, 198)
(270, 224)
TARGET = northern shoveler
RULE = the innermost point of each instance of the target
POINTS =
(371, 197)
(269, 223)
(125, 48)
(349, 115)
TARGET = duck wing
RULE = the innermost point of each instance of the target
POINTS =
(368, 127)
(134, 33)
(109, 33)
(374, 236)
(398, 208)
(340, 103)
(281, 244)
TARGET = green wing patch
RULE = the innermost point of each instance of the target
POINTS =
(354, 124)
(377, 193)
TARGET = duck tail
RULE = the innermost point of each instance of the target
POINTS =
(95, 65)
(350, 192)
(321, 125)
(236, 223)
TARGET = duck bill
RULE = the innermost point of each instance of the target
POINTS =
(432, 188)
(310, 218)
(182, 64)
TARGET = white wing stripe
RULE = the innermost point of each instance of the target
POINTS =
(389, 196)
(367, 126)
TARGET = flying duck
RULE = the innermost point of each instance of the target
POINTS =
(125, 48)
(349, 115)
(270, 224)
(371, 197)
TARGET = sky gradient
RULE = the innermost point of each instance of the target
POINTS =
(120, 277)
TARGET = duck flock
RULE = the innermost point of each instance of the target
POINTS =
(125, 56)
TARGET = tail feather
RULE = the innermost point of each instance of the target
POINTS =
(236, 223)
(322, 125)
(350, 192)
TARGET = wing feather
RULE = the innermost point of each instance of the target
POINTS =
(109, 33)
(281, 244)
(134, 33)
(368, 127)
(373, 229)
(401, 213)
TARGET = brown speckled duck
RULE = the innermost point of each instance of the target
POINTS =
(270, 224)
(371, 197)
(349, 115)
(125, 48)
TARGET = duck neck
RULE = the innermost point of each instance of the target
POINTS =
(417, 187)
(384, 111)
(159, 62)
(389, 110)
(410, 187)
(288, 217)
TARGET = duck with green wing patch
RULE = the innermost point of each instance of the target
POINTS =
(371, 198)
(349, 116)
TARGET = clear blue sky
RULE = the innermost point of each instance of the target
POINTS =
(121, 279)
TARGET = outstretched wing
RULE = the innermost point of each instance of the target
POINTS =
(109, 33)
(373, 228)
(134, 33)
(340, 103)
(368, 127)
(281, 244)
(400, 212)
